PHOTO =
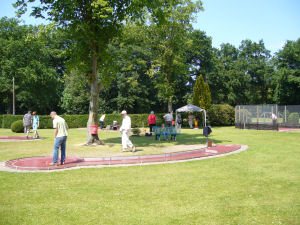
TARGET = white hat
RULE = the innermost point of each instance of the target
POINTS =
(123, 112)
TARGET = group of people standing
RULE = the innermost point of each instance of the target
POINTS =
(31, 120)
(169, 121)
(61, 130)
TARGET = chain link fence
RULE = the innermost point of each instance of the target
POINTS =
(267, 117)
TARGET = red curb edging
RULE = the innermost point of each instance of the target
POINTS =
(17, 138)
(42, 163)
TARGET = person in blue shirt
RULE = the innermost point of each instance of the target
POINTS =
(35, 124)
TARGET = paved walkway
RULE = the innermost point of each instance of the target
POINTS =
(41, 164)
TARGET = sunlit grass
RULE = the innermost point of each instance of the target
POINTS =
(259, 186)
(78, 137)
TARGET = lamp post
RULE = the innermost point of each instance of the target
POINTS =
(14, 108)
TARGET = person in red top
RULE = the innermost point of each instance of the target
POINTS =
(151, 121)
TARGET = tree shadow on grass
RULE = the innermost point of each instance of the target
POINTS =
(181, 139)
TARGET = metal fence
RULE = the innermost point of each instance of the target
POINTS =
(267, 117)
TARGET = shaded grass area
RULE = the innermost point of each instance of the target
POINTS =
(259, 186)
(77, 137)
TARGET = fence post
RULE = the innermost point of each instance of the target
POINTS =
(244, 117)
(285, 114)
(239, 113)
(257, 117)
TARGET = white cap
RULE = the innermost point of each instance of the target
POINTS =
(123, 112)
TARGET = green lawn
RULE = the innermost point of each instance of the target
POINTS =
(258, 186)
(75, 145)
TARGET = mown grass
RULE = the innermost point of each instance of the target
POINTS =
(259, 186)
(77, 138)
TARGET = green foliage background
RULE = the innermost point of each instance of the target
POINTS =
(217, 115)
(144, 66)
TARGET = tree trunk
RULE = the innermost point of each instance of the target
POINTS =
(170, 107)
(94, 103)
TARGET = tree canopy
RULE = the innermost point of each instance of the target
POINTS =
(106, 56)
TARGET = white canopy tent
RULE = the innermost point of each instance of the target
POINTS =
(192, 108)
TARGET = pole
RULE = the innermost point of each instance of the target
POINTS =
(14, 108)
(285, 114)
(204, 118)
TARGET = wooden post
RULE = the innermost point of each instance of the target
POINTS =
(14, 107)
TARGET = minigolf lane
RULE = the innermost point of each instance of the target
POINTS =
(42, 163)
(16, 138)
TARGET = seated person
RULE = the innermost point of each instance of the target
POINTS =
(165, 131)
(115, 125)
(101, 121)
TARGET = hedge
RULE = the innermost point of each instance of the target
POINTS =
(217, 115)
(221, 115)
(7, 120)
(293, 118)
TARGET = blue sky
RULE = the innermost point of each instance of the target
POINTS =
(231, 21)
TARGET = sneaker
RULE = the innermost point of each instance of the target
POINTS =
(62, 163)
(133, 149)
(53, 164)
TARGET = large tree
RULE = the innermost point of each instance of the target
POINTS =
(133, 88)
(227, 82)
(75, 94)
(255, 63)
(92, 24)
(199, 54)
(170, 40)
(287, 76)
(34, 57)
(241, 76)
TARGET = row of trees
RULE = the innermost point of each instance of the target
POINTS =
(34, 56)
(140, 65)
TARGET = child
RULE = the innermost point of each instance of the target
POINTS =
(35, 125)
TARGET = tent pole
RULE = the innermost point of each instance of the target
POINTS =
(204, 118)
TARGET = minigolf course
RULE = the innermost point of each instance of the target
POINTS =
(42, 163)
(16, 138)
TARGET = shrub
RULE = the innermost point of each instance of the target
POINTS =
(221, 115)
(136, 131)
(293, 118)
(17, 126)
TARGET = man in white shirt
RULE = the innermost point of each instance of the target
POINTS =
(168, 119)
(274, 121)
(60, 137)
(125, 129)
(191, 120)
(101, 121)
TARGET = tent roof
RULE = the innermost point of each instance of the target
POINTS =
(190, 108)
